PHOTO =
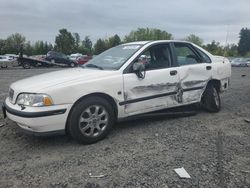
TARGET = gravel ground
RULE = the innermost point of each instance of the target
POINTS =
(213, 148)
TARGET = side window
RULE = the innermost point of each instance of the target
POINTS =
(204, 56)
(156, 57)
(185, 55)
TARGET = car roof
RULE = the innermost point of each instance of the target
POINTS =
(153, 41)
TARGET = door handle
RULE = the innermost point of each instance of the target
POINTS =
(173, 72)
(208, 67)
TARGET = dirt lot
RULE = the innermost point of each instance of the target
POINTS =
(213, 148)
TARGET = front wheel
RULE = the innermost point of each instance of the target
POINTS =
(211, 99)
(91, 120)
(72, 64)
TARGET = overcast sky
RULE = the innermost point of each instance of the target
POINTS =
(41, 19)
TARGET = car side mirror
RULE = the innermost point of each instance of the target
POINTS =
(139, 69)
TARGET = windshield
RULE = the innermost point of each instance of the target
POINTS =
(113, 58)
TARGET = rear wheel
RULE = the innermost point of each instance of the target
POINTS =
(211, 99)
(26, 65)
(91, 120)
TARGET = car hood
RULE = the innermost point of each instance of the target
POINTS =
(47, 80)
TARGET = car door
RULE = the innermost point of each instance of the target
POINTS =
(194, 71)
(157, 89)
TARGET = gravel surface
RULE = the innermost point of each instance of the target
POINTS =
(213, 148)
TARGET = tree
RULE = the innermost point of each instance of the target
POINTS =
(194, 39)
(77, 40)
(244, 42)
(65, 42)
(14, 43)
(231, 50)
(41, 47)
(87, 45)
(215, 48)
(2, 46)
(100, 46)
(147, 34)
(114, 41)
(28, 49)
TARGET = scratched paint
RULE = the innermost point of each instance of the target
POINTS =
(154, 87)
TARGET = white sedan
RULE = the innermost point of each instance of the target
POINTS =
(4, 61)
(127, 80)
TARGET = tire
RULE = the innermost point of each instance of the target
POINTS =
(210, 100)
(26, 65)
(91, 120)
(72, 64)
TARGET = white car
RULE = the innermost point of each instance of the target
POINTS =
(4, 61)
(74, 57)
(85, 102)
(248, 62)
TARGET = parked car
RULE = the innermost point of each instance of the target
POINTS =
(248, 62)
(60, 58)
(83, 59)
(74, 57)
(85, 102)
(11, 56)
(239, 62)
(4, 61)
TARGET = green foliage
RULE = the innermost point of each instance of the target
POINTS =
(87, 45)
(41, 47)
(100, 46)
(68, 43)
(14, 43)
(194, 39)
(77, 42)
(244, 42)
(215, 48)
(114, 41)
(142, 34)
(231, 50)
(65, 42)
(2, 46)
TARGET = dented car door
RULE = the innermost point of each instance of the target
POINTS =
(194, 72)
(157, 89)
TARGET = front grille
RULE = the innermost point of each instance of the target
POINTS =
(11, 94)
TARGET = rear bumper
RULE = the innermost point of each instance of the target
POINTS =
(38, 120)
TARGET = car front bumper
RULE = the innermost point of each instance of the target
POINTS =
(38, 120)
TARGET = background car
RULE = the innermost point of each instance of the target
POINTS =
(11, 56)
(74, 57)
(248, 62)
(57, 57)
(239, 62)
(4, 61)
(83, 59)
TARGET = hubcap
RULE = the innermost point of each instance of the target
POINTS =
(93, 120)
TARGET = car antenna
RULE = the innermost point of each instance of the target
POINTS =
(226, 43)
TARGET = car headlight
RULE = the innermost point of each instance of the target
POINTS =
(28, 99)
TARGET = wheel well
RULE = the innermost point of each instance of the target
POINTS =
(216, 84)
(102, 95)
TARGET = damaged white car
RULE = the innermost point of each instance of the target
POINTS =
(126, 80)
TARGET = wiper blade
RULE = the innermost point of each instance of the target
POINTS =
(94, 66)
